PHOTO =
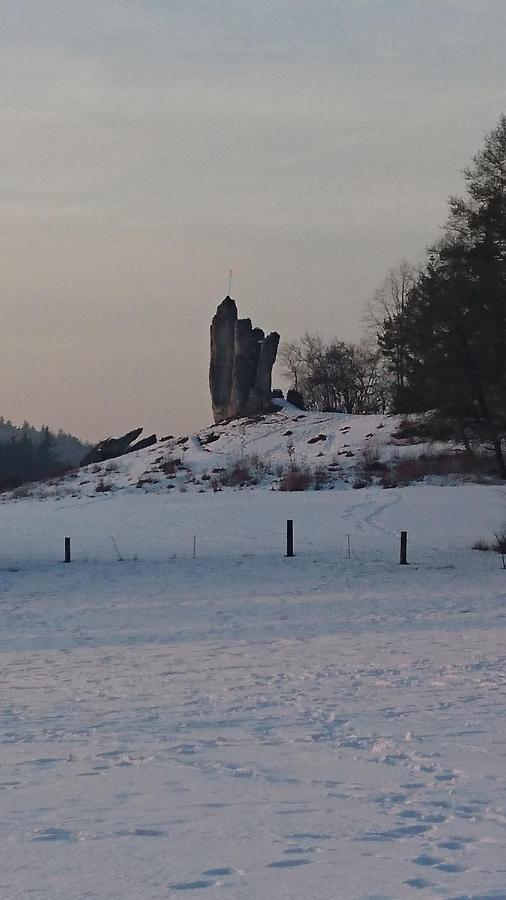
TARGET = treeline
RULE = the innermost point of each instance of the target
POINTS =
(436, 333)
(30, 454)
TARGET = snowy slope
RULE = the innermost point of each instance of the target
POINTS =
(332, 443)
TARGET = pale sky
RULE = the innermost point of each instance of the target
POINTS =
(148, 146)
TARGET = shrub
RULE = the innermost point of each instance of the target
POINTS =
(321, 478)
(498, 545)
(369, 460)
(481, 545)
(500, 542)
(237, 475)
(295, 479)
(169, 466)
(142, 481)
(244, 471)
(21, 492)
(103, 487)
(424, 429)
(460, 463)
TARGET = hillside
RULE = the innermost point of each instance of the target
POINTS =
(324, 450)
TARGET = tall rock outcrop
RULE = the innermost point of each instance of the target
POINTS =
(240, 371)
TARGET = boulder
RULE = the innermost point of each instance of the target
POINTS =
(240, 370)
(295, 398)
(110, 448)
(141, 445)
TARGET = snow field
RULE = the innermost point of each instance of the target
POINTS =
(245, 725)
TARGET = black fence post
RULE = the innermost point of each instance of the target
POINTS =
(404, 548)
(67, 550)
(289, 537)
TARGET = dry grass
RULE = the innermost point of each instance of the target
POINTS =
(103, 486)
(296, 479)
(242, 472)
(498, 545)
(465, 465)
(169, 466)
(321, 478)
(482, 546)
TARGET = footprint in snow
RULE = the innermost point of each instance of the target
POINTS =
(426, 860)
(455, 843)
(149, 832)
(54, 834)
(395, 834)
(300, 850)
(307, 835)
(288, 863)
(217, 873)
(418, 883)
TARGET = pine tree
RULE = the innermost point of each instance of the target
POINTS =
(454, 322)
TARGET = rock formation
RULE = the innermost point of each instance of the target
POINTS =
(240, 371)
(110, 448)
(295, 398)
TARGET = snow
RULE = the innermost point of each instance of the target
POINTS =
(334, 442)
(242, 724)
(249, 725)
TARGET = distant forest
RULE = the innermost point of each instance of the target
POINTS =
(30, 454)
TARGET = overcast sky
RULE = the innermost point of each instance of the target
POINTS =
(148, 146)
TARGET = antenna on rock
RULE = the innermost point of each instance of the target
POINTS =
(230, 283)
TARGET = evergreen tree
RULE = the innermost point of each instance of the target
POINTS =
(46, 455)
(453, 325)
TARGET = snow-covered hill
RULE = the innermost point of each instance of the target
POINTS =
(334, 450)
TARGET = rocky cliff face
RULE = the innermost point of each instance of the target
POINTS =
(240, 371)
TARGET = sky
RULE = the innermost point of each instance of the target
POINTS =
(150, 146)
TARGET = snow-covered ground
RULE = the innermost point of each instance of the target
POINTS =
(242, 724)
(335, 445)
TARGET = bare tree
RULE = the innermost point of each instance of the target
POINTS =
(386, 314)
(334, 376)
(291, 358)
